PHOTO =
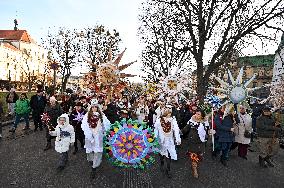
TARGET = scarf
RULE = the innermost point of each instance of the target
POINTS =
(93, 122)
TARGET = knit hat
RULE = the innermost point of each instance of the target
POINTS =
(52, 99)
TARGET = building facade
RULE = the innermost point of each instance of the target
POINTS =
(22, 60)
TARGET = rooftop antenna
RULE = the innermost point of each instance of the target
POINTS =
(16, 22)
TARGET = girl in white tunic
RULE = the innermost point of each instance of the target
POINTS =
(167, 132)
(65, 136)
(94, 125)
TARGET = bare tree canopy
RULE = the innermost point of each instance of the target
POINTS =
(163, 38)
(64, 46)
(70, 48)
(99, 40)
(212, 29)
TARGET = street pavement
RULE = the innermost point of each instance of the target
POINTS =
(23, 163)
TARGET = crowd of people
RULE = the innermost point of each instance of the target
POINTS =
(80, 119)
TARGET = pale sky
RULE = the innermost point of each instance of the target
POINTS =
(36, 16)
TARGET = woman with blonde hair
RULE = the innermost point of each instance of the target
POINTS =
(167, 132)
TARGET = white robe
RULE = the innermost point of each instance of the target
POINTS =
(94, 137)
(62, 143)
(167, 140)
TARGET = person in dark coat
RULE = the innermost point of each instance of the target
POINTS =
(53, 110)
(151, 114)
(38, 103)
(67, 104)
(76, 118)
(112, 112)
(197, 127)
(256, 112)
(225, 132)
(268, 133)
(1, 118)
(185, 115)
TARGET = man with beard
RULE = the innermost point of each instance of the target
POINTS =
(268, 133)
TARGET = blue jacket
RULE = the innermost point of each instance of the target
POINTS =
(223, 129)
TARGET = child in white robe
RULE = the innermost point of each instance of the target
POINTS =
(65, 136)
(168, 134)
(94, 125)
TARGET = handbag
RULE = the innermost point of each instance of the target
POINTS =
(247, 134)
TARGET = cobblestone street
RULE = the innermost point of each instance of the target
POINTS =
(25, 164)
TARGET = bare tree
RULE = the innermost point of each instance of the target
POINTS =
(26, 55)
(162, 38)
(215, 28)
(99, 40)
(65, 47)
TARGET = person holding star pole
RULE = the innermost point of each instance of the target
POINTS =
(215, 103)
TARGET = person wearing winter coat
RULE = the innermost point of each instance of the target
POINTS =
(112, 111)
(76, 118)
(67, 104)
(11, 99)
(65, 136)
(197, 127)
(245, 125)
(1, 118)
(168, 133)
(142, 110)
(38, 103)
(22, 110)
(225, 132)
(268, 133)
(94, 125)
(53, 111)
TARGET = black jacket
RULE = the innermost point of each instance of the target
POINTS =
(38, 104)
(54, 112)
(74, 121)
(265, 127)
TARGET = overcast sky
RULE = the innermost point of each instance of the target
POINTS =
(37, 16)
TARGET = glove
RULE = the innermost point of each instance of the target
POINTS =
(212, 132)
(178, 143)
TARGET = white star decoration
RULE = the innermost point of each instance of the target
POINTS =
(237, 91)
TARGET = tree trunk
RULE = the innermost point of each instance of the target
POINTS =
(30, 83)
(202, 82)
(64, 82)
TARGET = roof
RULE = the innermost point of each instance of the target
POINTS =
(18, 35)
(11, 47)
(259, 60)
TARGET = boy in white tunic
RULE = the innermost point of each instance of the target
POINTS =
(65, 136)
(167, 132)
(94, 125)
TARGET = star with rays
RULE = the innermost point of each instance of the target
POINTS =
(109, 72)
(237, 91)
